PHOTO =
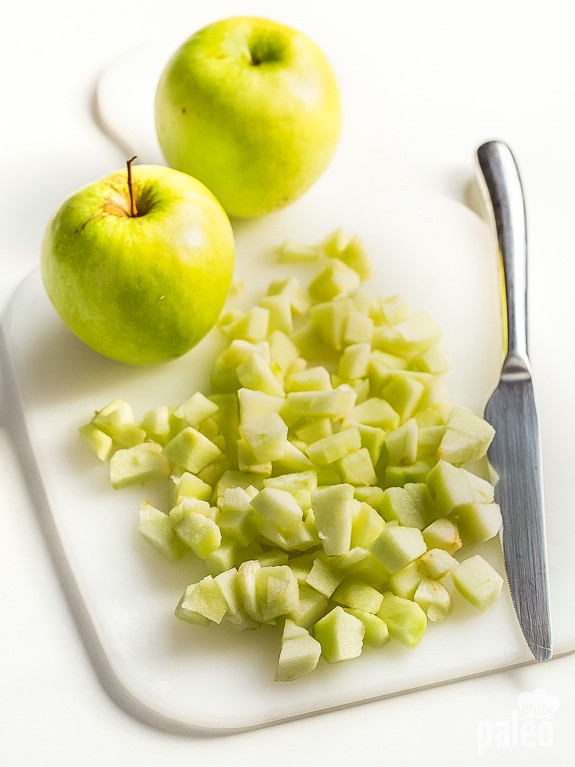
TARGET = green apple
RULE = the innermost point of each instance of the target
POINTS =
(252, 109)
(139, 271)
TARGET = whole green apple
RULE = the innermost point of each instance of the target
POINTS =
(252, 109)
(138, 264)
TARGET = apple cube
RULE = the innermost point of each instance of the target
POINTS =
(266, 437)
(277, 591)
(333, 280)
(247, 584)
(434, 599)
(397, 546)
(156, 528)
(335, 446)
(323, 577)
(189, 505)
(291, 287)
(376, 631)
(196, 409)
(340, 635)
(352, 592)
(100, 443)
(389, 310)
(452, 486)
(299, 654)
(312, 429)
(200, 533)
(188, 485)
(279, 507)
(477, 581)
(437, 563)
(328, 321)
(433, 361)
(429, 439)
(398, 476)
(366, 525)
(405, 619)
(332, 509)
(403, 394)
(256, 373)
(401, 443)
(202, 602)
(117, 420)
(235, 613)
(478, 522)
(222, 559)
(314, 378)
(466, 438)
(404, 582)
(414, 334)
(358, 330)
(443, 534)
(311, 605)
(355, 256)
(191, 450)
(409, 507)
(279, 313)
(375, 412)
(138, 464)
(336, 403)
(283, 351)
(356, 467)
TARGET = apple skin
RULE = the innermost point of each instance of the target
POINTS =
(139, 289)
(252, 109)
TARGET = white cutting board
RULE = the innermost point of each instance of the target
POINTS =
(438, 255)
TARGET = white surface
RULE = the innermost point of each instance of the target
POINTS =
(437, 79)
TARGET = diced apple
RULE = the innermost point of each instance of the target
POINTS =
(466, 438)
(279, 507)
(352, 592)
(443, 534)
(478, 522)
(401, 443)
(156, 528)
(138, 464)
(356, 468)
(201, 602)
(404, 582)
(340, 635)
(477, 581)
(376, 631)
(299, 654)
(434, 599)
(323, 578)
(335, 446)
(312, 606)
(200, 533)
(397, 546)
(452, 486)
(332, 508)
(277, 591)
(191, 450)
(375, 412)
(405, 619)
(437, 563)
(100, 444)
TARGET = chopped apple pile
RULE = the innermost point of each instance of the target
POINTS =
(325, 481)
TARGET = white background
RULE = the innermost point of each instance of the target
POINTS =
(436, 79)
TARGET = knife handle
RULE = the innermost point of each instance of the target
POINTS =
(503, 195)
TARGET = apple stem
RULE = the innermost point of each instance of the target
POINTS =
(133, 209)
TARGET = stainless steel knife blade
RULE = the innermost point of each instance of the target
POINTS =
(516, 449)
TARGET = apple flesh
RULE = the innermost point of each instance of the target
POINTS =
(139, 288)
(252, 109)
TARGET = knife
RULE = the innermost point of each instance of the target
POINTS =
(515, 452)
